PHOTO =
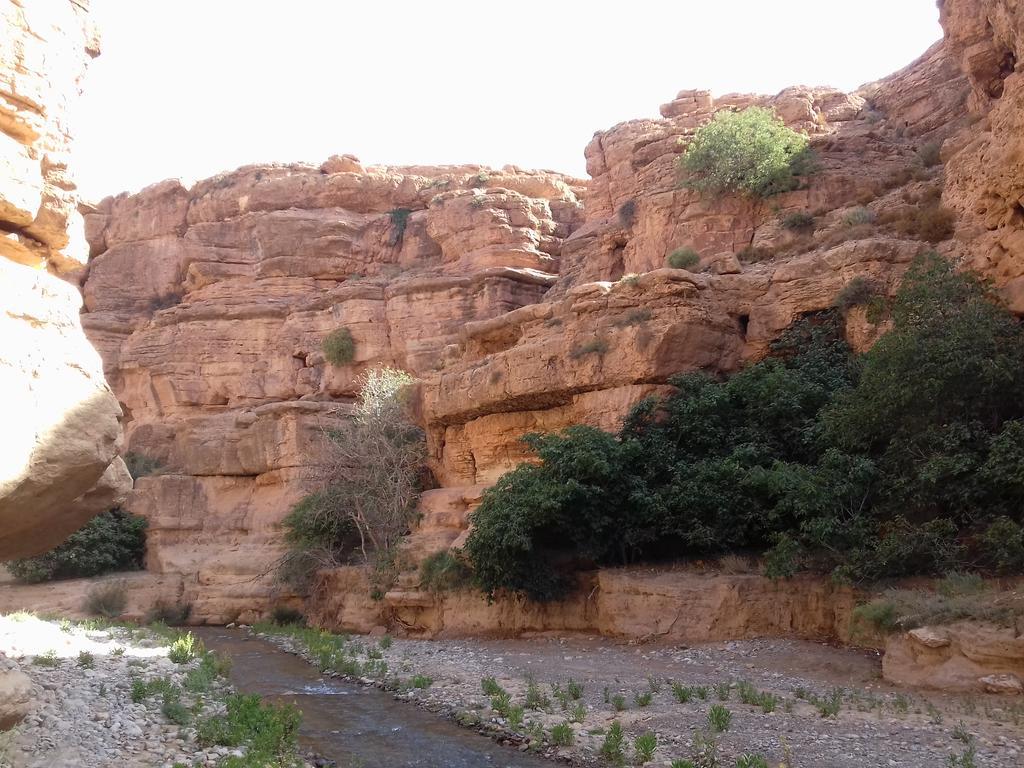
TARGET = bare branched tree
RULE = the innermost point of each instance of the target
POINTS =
(369, 483)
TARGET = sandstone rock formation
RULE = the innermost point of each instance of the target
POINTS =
(209, 306)
(524, 301)
(675, 606)
(59, 464)
(985, 170)
(963, 656)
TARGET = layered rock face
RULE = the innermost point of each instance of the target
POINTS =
(59, 464)
(209, 306)
(618, 323)
(524, 301)
(985, 168)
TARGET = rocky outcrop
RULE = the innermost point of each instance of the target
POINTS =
(59, 463)
(675, 606)
(964, 656)
(985, 169)
(15, 694)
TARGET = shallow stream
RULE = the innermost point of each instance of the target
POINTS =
(357, 726)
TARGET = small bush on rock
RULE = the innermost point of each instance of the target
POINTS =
(683, 258)
(112, 541)
(171, 614)
(750, 153)
(339, 347)
(107, 600)
(858, 291)
(799, 221)
(858, 217)
(929, 153)
(140, 465)
(755, 254)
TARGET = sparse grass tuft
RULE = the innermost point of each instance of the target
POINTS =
(956, 597)
(858, 216)
(683, 258)
(593, 346)
(184, 649)
(611, 747)
(719, 718)
(800, 221)
(644, 745)
(48, 659)
(562, 735)
(107, 600)
(422, 681)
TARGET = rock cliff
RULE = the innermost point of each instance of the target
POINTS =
(522, 300)
(58, 463)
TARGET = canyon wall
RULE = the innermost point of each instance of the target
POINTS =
(523, 301)
(59, 464)
(209, 306)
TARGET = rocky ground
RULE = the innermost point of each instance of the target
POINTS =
(81, 708)
(831, 707)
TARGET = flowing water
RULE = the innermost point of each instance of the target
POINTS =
(355, 725)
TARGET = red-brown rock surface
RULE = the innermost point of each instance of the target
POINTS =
(985, 166)
(210, 305)
(58, 461)
(523, 301)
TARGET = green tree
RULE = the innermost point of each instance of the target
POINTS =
(751, 153)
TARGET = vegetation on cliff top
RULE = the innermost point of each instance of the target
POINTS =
(908, 459)
(751, 153)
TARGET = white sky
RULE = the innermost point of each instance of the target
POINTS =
(195, 87)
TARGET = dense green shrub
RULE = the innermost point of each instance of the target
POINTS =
(112, 541)
(750, 153)
(906, 460)
(683, 258)
(268, 730)
(339, 347)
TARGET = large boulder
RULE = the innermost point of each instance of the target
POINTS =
(59, 463)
